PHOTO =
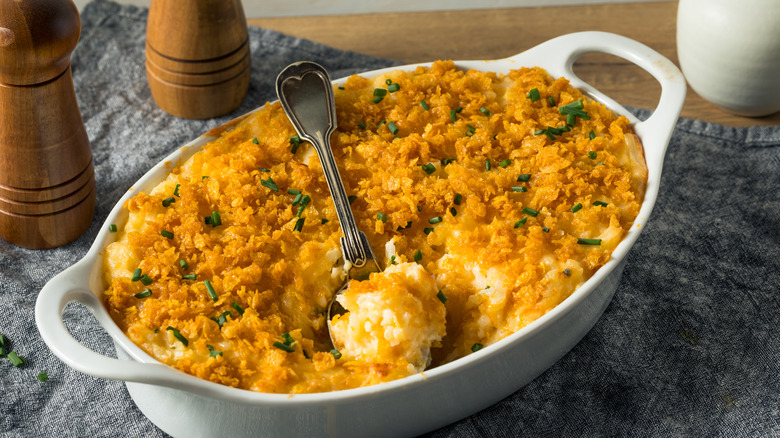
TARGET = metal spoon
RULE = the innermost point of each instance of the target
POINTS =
(306, 95)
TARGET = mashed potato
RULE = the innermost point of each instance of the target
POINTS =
(488, 199)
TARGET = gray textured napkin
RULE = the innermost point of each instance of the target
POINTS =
(689, 346)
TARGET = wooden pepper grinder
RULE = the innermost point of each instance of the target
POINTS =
(197, 56)
(47, 182)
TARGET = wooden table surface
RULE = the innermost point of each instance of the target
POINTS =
(413, 37)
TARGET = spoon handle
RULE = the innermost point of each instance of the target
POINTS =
(306, 95)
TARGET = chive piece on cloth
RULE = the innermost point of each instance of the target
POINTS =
(589, 241)
(211, 291)
(179, 336)
(530, 211)
(168, 201)
(15, 359)
(442, 297)
(145, 293)
(534, 95)
(43, 376)
(476, 347)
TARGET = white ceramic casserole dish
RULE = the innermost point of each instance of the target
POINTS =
(185, 406)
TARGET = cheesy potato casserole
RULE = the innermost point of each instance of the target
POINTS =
(487, 198)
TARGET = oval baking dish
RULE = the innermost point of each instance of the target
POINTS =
(183, 405)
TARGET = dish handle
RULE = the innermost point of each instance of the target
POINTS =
(656, 131)
(64, 288)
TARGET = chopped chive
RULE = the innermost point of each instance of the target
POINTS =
(577, 104)
(303, 203)
(434, 220)
(551, 100)
(213, 352)
(288, 340)
(571, 119)
(442, 297)
(145, 293)
(530, 211)
(283, 347)
(270, 184)
(112, 228)
(545, 229)
(381, 92)
(382, 217)
(485, 111)
(476, 347)
(341, 88)
(211, 291)
(519, 189)
(458, 199)
(323, 221)
(470, 131)
(592, 155)
(43, 376)
(254, 140)
(216, 218)
(599, 164)
(453, 115)
(168, 201)
(297, 199)
(505, 163)
(392, 259)
(577, 207)
(393, 87)
(184, 265)
(446, 161)
(521, 222)
(424, 104)
(600, 203)
(263, 169)
(146, 280)
(222, 319)
(351, 199)
(419, 208)
(203, 177)
(293, 192)
(15, 359)
(167, 234)
(299, 224)
(408, 225)
(295, 141)
(176, 190)
(427, 231)
(533, 95)
(524, 177)
(589, 241)
(156, 329)
(453, 211)
(380, 124)
(417, 256)
(189, 277)
(238, 308)
(362, 125)
(136, 275)
(428, 168)
(487, 164)
(392, 127)
(179, 336)
(207, 220)
(377, 99)
(335, 353)
(592, 135)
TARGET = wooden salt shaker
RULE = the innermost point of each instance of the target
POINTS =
(197, 56)
(47, 183)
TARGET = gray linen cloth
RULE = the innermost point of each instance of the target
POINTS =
(689, 346)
